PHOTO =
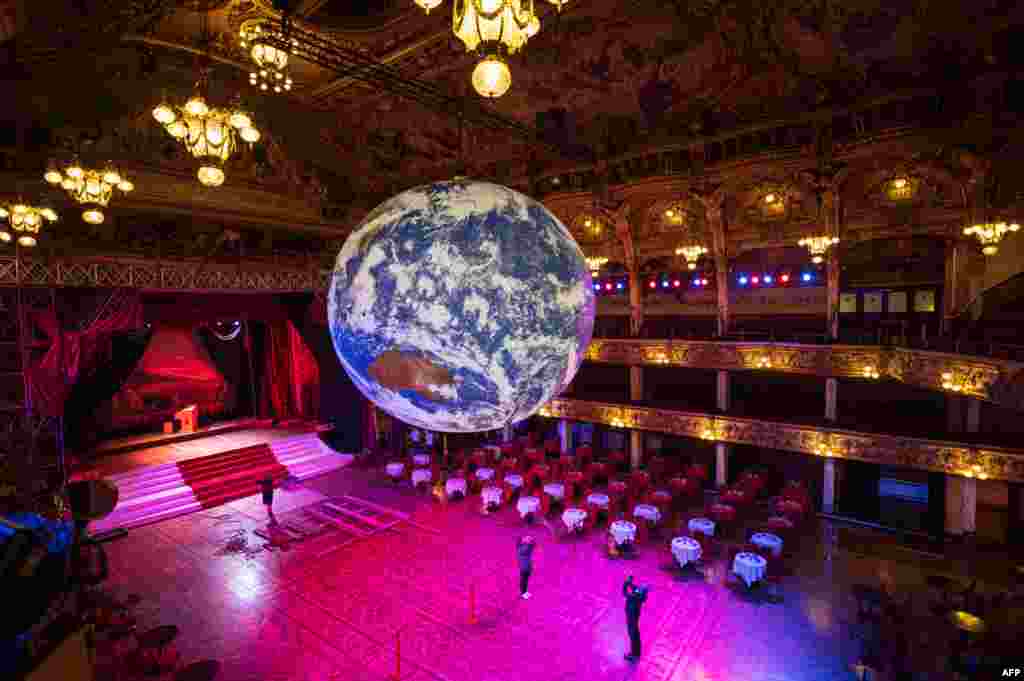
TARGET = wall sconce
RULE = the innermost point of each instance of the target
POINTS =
(763, 362)
(711, 432)
(870, 371)
(952, 383)
(657, 357)
(976, 472)
(826, 449)
(617, 423)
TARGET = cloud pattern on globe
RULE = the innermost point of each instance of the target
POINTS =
(461, 306)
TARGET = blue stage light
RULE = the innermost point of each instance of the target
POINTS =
(743, 280)
(767, 278)
(621, 286)
(807, 276)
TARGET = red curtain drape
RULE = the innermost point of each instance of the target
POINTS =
(291, 378)
(74, 353)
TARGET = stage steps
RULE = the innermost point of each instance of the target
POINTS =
(153, 493)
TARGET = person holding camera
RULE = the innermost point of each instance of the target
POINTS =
(635, 597)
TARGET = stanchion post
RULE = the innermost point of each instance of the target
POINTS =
(398, 655)
(472, 602)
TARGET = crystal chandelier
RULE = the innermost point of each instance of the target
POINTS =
(494, 29)
(272, 62)
(91, 188)
(25, 221)
(595, 264)
(211, 135)
(691, 254)
(990, 234)
(818, 246)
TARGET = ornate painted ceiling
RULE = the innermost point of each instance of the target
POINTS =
(627, 76)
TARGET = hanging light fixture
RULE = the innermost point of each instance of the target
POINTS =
(272, 73)
(495, 29)
(990, 234)
(25, 222)
(691, 254)
(211, 135)
(596, 263)
(89, 187)
(818, 246)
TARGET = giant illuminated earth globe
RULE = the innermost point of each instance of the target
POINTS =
(460, 306)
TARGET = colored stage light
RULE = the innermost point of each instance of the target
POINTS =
(743, 280)
(767, 278)
(597, 287)
(664, 283)
(784, 278)
(675, 283)
(807, 276)
(620, 286)
(654, 284)
(608, 286)
(703, 282)
(755, 280)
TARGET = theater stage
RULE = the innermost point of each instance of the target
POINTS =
(161, 476)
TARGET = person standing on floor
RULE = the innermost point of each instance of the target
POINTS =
(267, 489)
(524, 551)
(635, 597)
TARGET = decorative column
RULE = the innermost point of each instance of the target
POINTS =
(826, 181)
(722, 391)
(636, 303)
(962, 492)
(831, 393)
(622, 217)
(953, 292)
(721, 464)
(828, 487)
(972, 423)
(565, 435)
(636, 394)
(712, 198)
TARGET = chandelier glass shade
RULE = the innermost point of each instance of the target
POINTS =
(89, 187)
(427, 5)
(491, 77)
(990, 234)
(691, 254)
(25, 222)
(494, 29)
(271, 61)
(596, 263)
(211, 135)
(817, 246)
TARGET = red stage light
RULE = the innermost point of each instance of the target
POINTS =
(784, 278)
(703, 282)
(608, 287)
(676, 283)
(653, 284)
(755, 279)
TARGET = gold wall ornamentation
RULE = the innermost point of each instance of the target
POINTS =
(947, 457)
(993, 380)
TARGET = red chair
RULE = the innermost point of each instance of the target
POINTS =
(617, 459)
(639, 484)
(573, 482)
(658, 466)
(722, 514)
(552, 446)
(617, 491)
(662, 500)
(538, 477)
(697, 471)
(566, 463)
(584, 454)
(597, 472)
(510, 449)
(736, 497)
(535, 455)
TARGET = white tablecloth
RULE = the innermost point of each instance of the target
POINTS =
(484, 473)
(421, 475)
(573, 518)
(527, 505)
(555, 490)
(705, 526)
(647, 512)
(491, 495)
(514, 480)
(686, 550)
(598, 500)
(749, 567)
(623, 531)
(421, 459)
(455, 485)
(395, 469)
(768, 541)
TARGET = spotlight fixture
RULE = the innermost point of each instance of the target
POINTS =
(653, 284)
(743, 280)
(784, 278)
(806, 276)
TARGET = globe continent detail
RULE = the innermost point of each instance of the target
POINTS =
(460, 306)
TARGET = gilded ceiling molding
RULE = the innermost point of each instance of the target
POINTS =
(163, 275)
(992, 380)
(931, 455)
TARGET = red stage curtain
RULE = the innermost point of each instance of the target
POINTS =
(291, 378)
(72, 353)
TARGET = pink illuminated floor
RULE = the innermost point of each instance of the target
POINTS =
(311, 614)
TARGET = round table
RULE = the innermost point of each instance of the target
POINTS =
(598, 499)
(686, 550)
(704, 526)
(573, 518)
(421, 459)
(484, 473)
(490, 495)
(647, 512)
(767, 541)
(395, 469)
(421, 475)
(527, 505)
(514, 480)
(455, 485)
(749, 567)
(555, 490)
(623, 531)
